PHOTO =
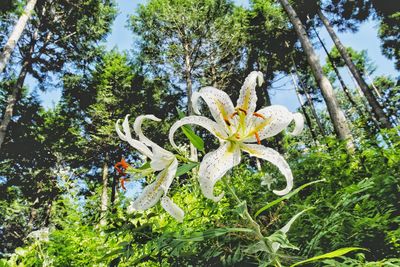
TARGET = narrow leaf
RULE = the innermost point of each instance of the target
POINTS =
(285, 197)
(196, 140)
(185, 168)
(200, 236)
(193, 138)
(330, 255)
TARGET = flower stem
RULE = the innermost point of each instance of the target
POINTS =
(254, 225)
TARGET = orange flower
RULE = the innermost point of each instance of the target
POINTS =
(123, 164)
(121, 167)
(122, 181)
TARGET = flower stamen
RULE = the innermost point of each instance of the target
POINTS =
(258, 138)
(258, 115)
(243, 110)
(227, 122)
(234, 114)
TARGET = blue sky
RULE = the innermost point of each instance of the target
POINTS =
(365, 39)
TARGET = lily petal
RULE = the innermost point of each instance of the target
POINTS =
(276, 119)
(204, 122)
(173, 209)
(248, 98)
(149, 197)
(118, 130)
(137, 127)
(274, 158)
(219, 103)
(161, 159)
(153, 192)
(299, 124)
(142, 148)
(215, 165)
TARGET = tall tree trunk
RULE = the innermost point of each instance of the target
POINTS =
(335, 69)
(345, 88)
(12, 99)
(114, 193)
(104, 195)
(308, 121)
(309, 100)
(376, 107)
(16, 34)
(189, 92)
(337, 116)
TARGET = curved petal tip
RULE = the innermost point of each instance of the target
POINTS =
(299, 124)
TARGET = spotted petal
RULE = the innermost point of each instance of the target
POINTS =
(248, 98)
(219, 103)
(137, 127)
(153, 192)
(271, 121)
(173, 209)
(126, 136)
(204, 122)
(274, 158)
(215, 165)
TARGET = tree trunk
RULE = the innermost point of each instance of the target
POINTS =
(376, 107)
(16, 34)
(337, 116)
(114, 185)
(189, 92)
(308, 121)
(12, 99)
(104, 195)
(335, 69)
(309, 101)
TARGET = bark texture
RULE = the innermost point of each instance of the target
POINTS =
(337, 116)
(12, 99)
(308, 120)
(16, 34)
(373, 102)
(104, 195)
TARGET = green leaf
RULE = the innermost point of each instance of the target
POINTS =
(193, 138)
(200, 236)
(146, 165)
(285, 197)
(196, 140)
(181, 114)
(185, 168)
(330, 255)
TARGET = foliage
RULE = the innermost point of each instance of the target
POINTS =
(57, 177)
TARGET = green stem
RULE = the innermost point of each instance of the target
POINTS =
(256, 227)
(184, 159)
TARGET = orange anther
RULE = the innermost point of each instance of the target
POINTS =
(237, 136)
(258, 115)
(258, 138)
(242, 110)
(227, 122)
(234, 114)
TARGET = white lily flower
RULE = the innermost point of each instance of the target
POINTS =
(237, 128)
(161, 160)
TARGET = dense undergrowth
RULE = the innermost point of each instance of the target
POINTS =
(356, 205)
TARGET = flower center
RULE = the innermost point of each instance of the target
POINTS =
(241, 130)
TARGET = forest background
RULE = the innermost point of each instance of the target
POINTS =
(78, 66)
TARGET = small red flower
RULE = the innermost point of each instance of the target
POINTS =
(121, 167)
